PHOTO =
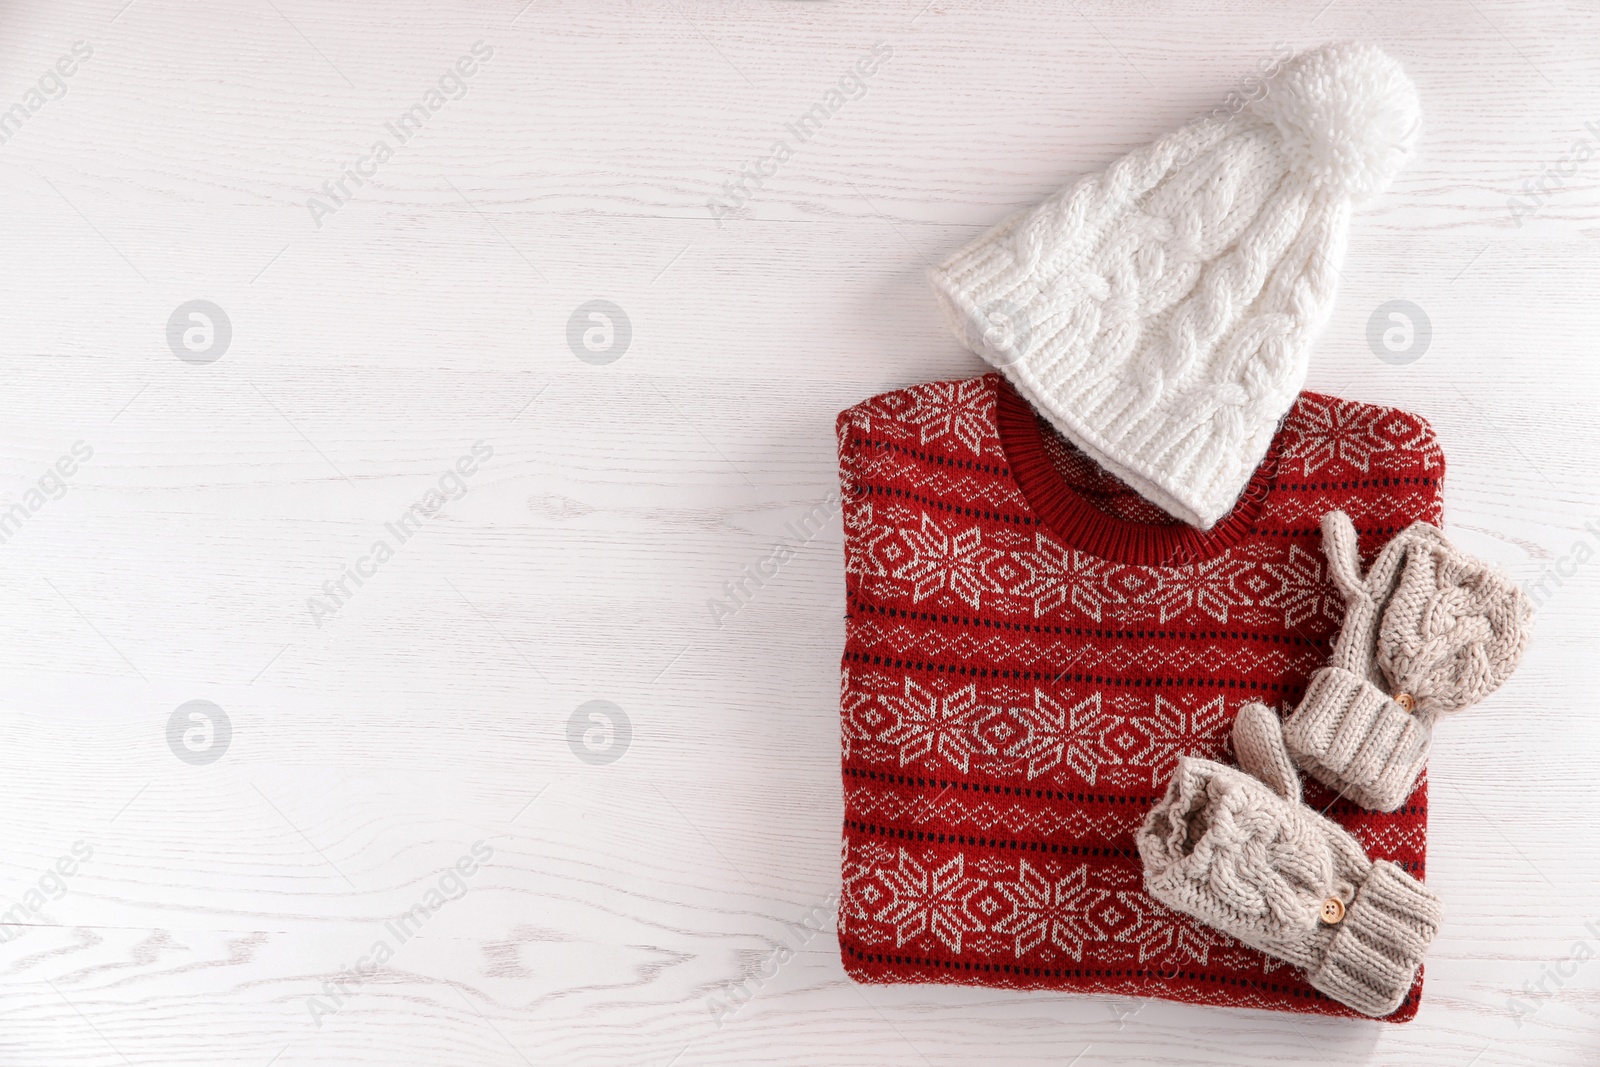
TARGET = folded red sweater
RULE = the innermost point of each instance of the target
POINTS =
(1030, 648)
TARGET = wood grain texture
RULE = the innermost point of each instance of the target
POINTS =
(623, 904)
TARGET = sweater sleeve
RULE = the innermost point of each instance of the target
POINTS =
(850, 428)
(1408, 477)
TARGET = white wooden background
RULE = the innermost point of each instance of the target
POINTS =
(624, 900)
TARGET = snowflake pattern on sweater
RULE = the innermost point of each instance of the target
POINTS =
(1022, 673)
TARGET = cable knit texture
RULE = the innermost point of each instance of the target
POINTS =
(1429, 624)
(1241, 853)
(1160, 312)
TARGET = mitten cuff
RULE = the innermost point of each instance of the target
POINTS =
(1350, 735)
(1379, 944)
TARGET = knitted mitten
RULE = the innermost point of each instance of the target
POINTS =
(1429, 624)
(1241, 853)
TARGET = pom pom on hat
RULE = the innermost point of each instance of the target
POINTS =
(1348, 116)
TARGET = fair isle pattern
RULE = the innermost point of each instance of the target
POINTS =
(1013, 703)
(907, 639)
(1006, 910)
(1010, 816)
(921, 557)
(1334, 431)
(1032, 734)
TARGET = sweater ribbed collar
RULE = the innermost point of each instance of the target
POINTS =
(1083, 526)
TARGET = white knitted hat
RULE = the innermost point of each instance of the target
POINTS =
(1160, 312)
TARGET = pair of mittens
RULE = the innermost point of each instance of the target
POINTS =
(1428, 630)
(1238, 850)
